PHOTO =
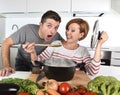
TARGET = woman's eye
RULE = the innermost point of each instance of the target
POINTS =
(72, 30)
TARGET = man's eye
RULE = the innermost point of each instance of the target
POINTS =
(56, 28)
(49, 26)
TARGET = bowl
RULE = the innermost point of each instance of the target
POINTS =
(8, 89)
(59, 69)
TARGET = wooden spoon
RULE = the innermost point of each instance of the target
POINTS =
(50, 45)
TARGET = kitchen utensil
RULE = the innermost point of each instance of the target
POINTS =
(41, 75)
(50, 45)
(59, 69)
(8, 89)
(36, 70)
(56, 44)
(96, 34)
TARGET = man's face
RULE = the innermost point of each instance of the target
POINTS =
(48, 29)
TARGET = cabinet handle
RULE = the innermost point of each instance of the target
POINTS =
(116, 58)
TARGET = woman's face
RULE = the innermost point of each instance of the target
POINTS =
(73, 33)
(48, 29)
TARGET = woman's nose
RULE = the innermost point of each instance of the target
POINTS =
(68, 32)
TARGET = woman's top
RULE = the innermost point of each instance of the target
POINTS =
(79, 55)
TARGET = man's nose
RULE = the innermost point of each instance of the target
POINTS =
(52, 30)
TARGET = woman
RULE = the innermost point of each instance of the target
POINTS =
(76, 30)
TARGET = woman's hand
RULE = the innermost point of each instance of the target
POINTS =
(103, 37)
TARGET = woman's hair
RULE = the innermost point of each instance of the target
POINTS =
(84, 26)
(50, 15)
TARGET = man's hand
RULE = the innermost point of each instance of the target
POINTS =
(6, 71)
(29, 47)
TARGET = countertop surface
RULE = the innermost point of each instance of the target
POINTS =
(18, 74)
(104, 70)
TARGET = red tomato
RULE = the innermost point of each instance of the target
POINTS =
(64, 88)
(23, 93)
(72, 93)
(90, 93)
(81, 90)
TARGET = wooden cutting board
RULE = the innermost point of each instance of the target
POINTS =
(80, 78)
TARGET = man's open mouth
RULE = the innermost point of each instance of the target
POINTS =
(49, 37)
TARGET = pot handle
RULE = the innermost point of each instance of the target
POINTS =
(81, 66)
(38, 63)
(99, 35)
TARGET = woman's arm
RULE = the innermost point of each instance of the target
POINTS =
(103, 38)
(93, 66)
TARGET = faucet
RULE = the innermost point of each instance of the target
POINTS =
(14, 26)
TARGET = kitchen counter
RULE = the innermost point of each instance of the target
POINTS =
(18, 74)
(104, 70)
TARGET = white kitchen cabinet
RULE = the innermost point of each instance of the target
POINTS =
(115, 4)
(115, 59)
(91, 5)
(12, 6)
(44, 5)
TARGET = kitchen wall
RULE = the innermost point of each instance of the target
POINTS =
(31, 12)
(108, 22)
(111, 24)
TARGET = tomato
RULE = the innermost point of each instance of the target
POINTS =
(90, 93)
(72, 93)
(64, 87)
(23, 93)
(81, 90)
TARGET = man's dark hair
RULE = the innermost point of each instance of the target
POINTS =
(52, 15)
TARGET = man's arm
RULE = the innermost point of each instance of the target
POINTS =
(5, 50)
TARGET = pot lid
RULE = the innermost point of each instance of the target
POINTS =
(96, 34)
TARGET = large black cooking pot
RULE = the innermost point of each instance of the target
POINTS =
(59, 69)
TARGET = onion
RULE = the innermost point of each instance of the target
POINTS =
(52, 84)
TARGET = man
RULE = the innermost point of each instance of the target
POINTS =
(46, 32)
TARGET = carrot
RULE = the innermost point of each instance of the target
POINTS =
(52, 92)
(39, 92)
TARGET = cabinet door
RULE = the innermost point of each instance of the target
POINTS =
(12, 6)
(115, 59)
(44, 5)
(115, 4)
(90, 5)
